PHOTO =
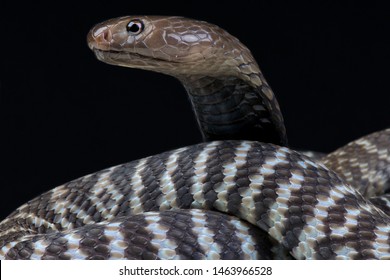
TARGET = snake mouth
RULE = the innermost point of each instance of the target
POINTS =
(113, 54)
(131, 58)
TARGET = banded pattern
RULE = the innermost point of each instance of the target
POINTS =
(300, 203)
(176, 234)
(364, 163)
(147, 209)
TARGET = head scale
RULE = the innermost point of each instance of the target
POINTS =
(171, 45)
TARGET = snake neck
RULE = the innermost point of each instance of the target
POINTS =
(231, 108)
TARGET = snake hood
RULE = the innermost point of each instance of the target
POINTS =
(175, 46)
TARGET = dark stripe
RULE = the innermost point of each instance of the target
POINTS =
(183, 176)
(138, 239)
(262, 241)
(220, 156)
(153, 169)
(121, 177)
(180, 224)
(224, 235)
(241, 181)
(21, 251)
(256, 158)
(79, 195)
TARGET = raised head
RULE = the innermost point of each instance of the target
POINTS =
(230, 96)
(172, 45)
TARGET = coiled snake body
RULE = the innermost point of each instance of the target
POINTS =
(240, 195)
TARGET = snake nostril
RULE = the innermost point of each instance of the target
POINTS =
(107, 36)
(102, 35)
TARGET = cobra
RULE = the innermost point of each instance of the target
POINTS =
(243, 194)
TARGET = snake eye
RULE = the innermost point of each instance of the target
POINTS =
(135, 27)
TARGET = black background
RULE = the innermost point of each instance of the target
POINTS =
(64, 114)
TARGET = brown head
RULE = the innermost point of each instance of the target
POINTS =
(172, 45)
(229, 95)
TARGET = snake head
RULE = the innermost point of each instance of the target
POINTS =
(172, 45)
